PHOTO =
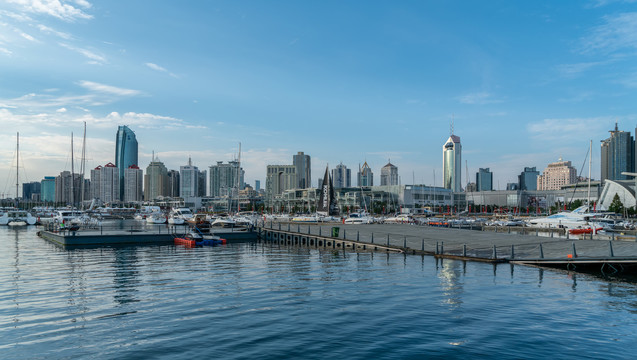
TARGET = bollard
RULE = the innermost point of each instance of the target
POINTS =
(279, 226)
(536, 232)
(610, 249)
(512, 252)
(541, 252)
(495, 254)
(309, 230)
(437, 248)
(319, 230)
(442, 247)
(613, 236)
(574, 251)
(372, 238)
(358, 235)
(509, 229)
(405, 242)
(344, 237)
(387, 239)
(298, 228)
(464, 250)
(551, 230)
(288, 227)
(423, 245)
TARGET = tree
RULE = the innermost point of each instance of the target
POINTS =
(616, 205)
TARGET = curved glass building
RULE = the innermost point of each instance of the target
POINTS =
(125, 153)
(452, 164)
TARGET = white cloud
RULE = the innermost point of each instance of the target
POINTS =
(5, 51)
(61, 110)
(562, 131)
(56, 8)
(618, 33)
(108, 89)
(160, 69)
(48, 30)
(573, 70)
(478, 98)
(95, 58)
(28, 37)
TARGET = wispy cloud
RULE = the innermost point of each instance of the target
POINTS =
(619, 33)
(28, 37)
(574, 70)
(478, 98)
(108, 89)
(568, 130)
(93, 57)
(60, 9)
(47, 30)
(160, 69)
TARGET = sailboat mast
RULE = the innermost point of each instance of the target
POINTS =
(17, 166)
(590, 164)
(82, 167)
(238, 177)
(72, 176)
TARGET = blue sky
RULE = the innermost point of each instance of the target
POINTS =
(344, 81)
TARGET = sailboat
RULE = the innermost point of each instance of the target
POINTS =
(327, 203)
(15, 217)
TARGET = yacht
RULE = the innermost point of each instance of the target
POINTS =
(17, 218)
(576, 219)
(399, 219)
(179, 216)
(359, 218)
(156, 218)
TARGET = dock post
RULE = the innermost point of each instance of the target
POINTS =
(464, 250)
(405, 242)
(422, 247)
(509, 229)
(536, 232)
(309, 230)
(344, 237)
(372, 238)
(442, 247)
(541, 252)
(320, 230)
(551, 230)
(288, 227)
(436, 248)
(298, 228)
(279, 226)
(610, 249)
(574, 251)
(100, 229)
(387, 239)
(613, 235)
(358, 235)
(495, 254)
(512, 252)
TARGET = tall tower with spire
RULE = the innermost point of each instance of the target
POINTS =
(452, 162)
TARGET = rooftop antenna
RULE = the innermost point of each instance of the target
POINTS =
(452, 119)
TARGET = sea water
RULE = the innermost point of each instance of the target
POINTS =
(263, 301)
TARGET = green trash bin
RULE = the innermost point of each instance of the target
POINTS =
(335, 230)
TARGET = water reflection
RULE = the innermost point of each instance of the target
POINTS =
(450, 274)
(125, 275)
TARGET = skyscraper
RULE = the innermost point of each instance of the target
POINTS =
(527, 180)
(133, 178)
(125, 153)
(190, 180)
(618, 155)
(484, 180)
(388, 175)
(365, 175)
(303, 170)
(452, 163)
(48, 189)
(106, 183)
(278, 179)
(341, 176)
(156, 181)
(224, 178)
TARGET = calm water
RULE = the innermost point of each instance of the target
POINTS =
(254, 301)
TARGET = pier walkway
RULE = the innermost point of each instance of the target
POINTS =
(541, 248)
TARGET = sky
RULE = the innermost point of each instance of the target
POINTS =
(524, 83)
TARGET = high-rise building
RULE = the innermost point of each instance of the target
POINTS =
(156, 181)
(484, 180)
(190, 181)
(341, 176)
(303, 170)
(527, 180)
(48, 189)
(365, 175)
(257, 185)
(226, 177)
(173, 184)
(280, 178)
(617, 155)
(105, 183)
(67, 188)
(30, 189)
(388, 175)
(133, 178)
(125, 153)
(452, 163)
(556, 175)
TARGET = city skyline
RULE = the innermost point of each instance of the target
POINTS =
(525, 83)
